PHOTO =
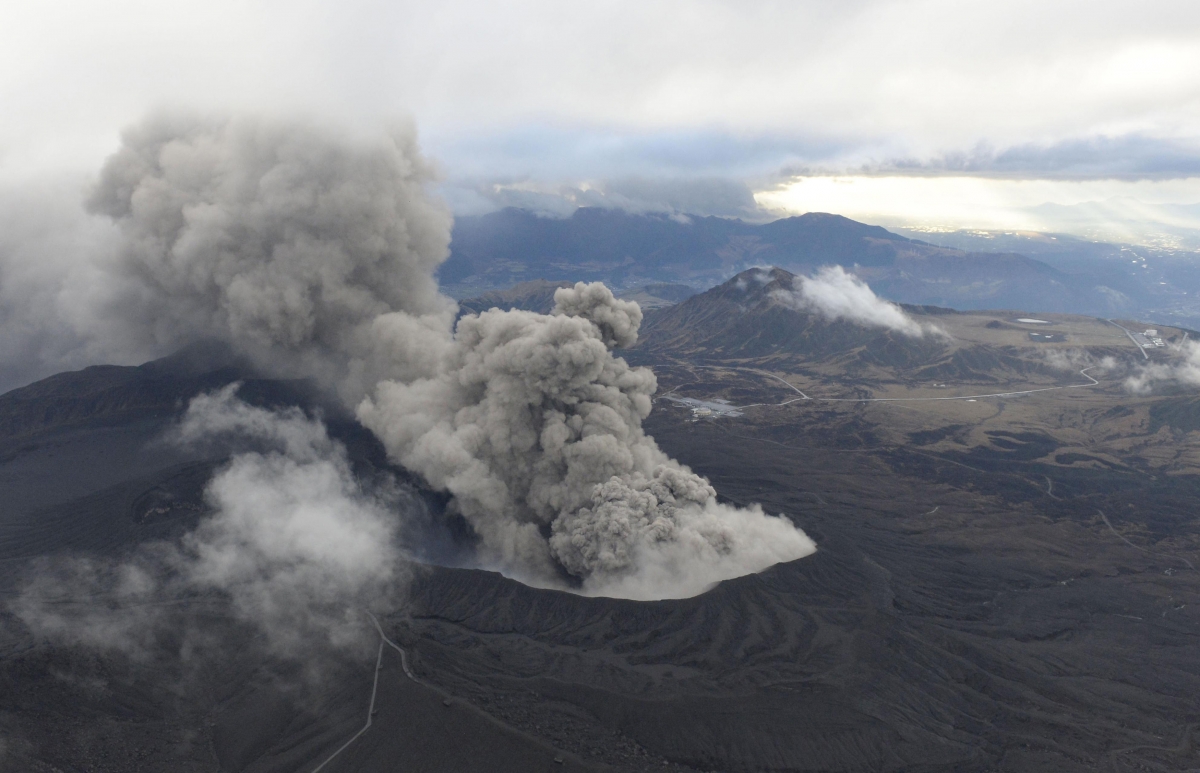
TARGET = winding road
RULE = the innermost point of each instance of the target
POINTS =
(383, 639)
(1148, 552)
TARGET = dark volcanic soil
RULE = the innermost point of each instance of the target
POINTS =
(958, 616)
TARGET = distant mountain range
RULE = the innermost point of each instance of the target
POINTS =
(500, 249)
(747, 321)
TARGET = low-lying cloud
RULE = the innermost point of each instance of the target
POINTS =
(1184, 369)
(295, 539)
(292, 540)
(1078, 359)
(835, 294)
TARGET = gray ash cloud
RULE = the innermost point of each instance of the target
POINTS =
(312, 252)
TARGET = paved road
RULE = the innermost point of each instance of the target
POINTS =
(383, 639)
(1084, 372)
(1131, 338)
(370, 708)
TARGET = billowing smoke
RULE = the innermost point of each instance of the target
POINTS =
(309, 251)
(293, 541)
(835, 294)
(535, 428)
(1185, 369)
(313, 254)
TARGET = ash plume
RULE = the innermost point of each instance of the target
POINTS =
(835, 293)
(535, 427)
(313, 254)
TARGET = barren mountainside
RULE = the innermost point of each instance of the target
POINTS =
(1001, 583)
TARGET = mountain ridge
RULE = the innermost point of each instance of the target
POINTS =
(500, 249)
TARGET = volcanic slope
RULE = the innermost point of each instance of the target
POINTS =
(746, 322)
(1001, 583)
(88, 474)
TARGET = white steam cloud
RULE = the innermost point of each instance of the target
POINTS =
(1077, 359)
(837, 294)
(1185, 369)
(313, 253)
(298, 543)
(293, 540)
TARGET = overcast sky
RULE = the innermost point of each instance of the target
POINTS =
(685, 105)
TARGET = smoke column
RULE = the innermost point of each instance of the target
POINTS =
(313, 253)
(309, 251)
(535, 427)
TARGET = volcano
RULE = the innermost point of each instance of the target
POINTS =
(957, 615)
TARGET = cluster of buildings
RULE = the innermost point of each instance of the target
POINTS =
(1148, 339)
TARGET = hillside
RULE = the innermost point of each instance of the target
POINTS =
(961, 560)
(743, 319)
(743, 322)
(1002, 543)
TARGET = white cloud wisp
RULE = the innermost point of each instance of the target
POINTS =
(835, 294)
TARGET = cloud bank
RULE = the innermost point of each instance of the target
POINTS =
(835, 294)
(673, 195)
